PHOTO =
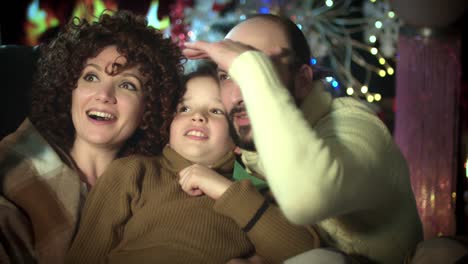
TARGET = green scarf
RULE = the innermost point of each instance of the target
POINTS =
(240, 174)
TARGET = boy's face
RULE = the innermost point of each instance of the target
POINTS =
(199, 131)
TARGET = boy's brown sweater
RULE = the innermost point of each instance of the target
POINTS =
(138, 213)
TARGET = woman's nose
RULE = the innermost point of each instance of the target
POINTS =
(106, 94)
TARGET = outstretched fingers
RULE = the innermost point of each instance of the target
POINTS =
(223, 52)
(196, 50)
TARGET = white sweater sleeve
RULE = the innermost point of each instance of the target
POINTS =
(314, 173)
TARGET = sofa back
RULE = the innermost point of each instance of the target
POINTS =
(17, 67)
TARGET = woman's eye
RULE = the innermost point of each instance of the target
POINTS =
(90, 77)
(128, 86)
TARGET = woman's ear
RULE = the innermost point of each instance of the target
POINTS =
(303, 81)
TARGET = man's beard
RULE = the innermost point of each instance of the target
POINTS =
(240, 137)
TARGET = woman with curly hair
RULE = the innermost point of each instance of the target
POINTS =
(103, 90)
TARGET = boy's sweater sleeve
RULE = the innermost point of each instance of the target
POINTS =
(106, 210)
(273, 236)
(314, 173)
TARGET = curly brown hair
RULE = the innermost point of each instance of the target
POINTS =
(62, 61)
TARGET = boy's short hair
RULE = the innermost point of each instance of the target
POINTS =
(205, 68)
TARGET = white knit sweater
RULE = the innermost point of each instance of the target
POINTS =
(331, 163)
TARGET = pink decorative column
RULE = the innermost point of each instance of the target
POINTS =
(427, 104)
(426, 124)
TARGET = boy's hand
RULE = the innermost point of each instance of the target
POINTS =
(197, 179)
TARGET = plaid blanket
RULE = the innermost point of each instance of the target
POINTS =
(40, 199)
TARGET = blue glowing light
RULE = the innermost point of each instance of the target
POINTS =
(264, 10)
(334, 84)
(313, 61)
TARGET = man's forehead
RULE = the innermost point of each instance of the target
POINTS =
(261, 34)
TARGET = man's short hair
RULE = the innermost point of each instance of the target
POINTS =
(297, 41)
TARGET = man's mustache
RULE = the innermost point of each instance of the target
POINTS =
(235, 110)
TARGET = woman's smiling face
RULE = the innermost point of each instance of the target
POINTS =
(107, 108)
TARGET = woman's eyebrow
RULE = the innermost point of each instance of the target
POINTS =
(94, 66)
(125, 74)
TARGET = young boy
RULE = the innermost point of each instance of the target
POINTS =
(137, 212)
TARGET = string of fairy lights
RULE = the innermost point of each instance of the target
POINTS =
(340, 32)
(331, 28)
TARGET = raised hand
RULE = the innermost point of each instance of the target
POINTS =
(222, 52)
(197, 179)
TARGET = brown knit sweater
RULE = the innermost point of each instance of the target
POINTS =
(138, 213)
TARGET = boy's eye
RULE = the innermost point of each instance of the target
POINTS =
(128, 85)
(217, 111)
(90, 77)
(183, 109)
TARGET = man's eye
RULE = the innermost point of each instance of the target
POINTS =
(90, 77)
(224, 76)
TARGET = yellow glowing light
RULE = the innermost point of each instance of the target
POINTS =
(377, 97)
(382, 73)
(79, 10)
(92, 10)
(390, 71)
(329, 3)
(432, 198)
(370, 98)
(391, 14)
(99, 7)
(38, 21)
(374, 50)
(372, 39)
(364, 89)
(152, 17)
(350, 91)
(378, 24)
(373, 1)
(382, 61)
